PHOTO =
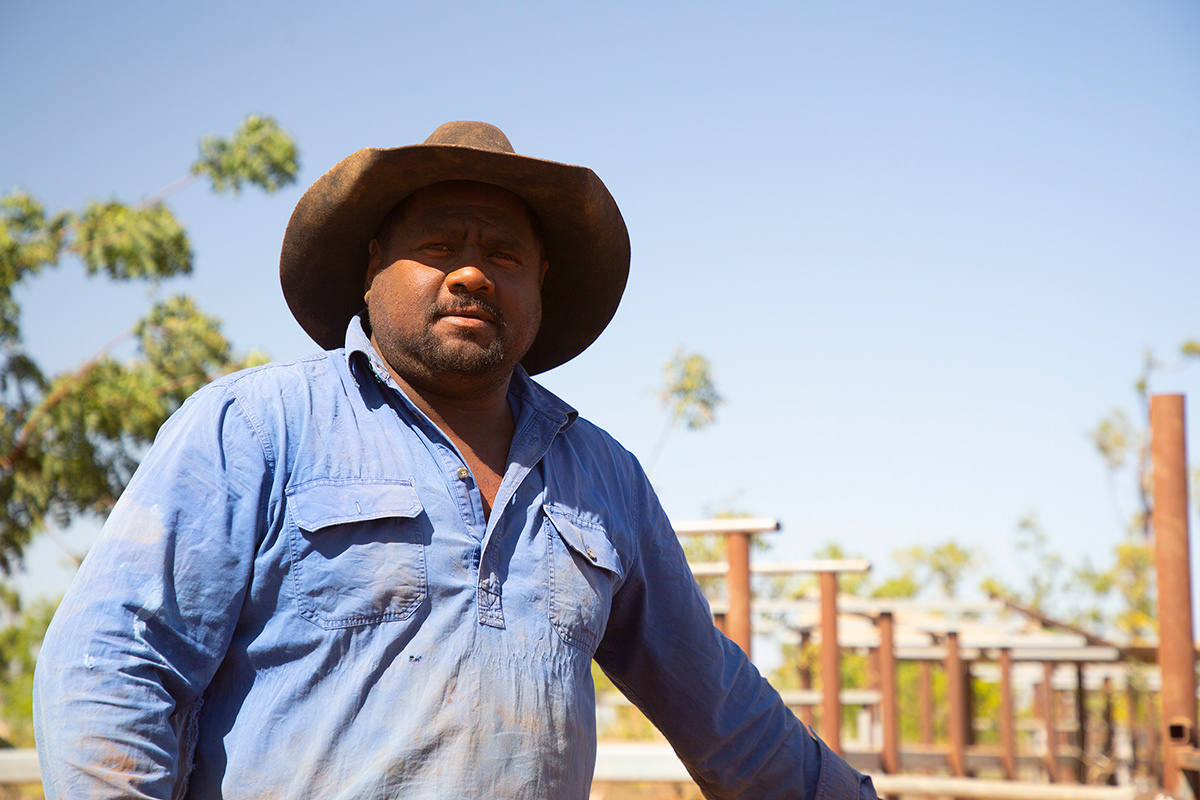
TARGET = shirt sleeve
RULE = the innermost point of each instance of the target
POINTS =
(728, 725)
(145, 623)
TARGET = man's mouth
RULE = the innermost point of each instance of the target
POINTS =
(475, 310)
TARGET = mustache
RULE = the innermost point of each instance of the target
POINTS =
(460, 304)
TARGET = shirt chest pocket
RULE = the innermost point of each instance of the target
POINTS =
(357, 550)
(584, 571)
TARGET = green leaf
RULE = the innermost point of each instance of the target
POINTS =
(260, 153)
(129, 242)
(28, 242)
(689, 393)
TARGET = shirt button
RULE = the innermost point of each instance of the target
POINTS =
(463, 473)
(590, 554)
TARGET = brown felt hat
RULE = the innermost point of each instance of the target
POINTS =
(323, 265)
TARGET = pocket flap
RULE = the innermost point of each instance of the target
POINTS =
(587, 538)
(322, 503)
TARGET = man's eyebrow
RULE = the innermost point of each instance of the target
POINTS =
(511, 242)
(435, 227)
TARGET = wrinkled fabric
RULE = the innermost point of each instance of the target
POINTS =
(299, 596)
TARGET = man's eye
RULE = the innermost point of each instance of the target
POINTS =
(439, 247)
(503, 256)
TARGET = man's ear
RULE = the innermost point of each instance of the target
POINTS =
(374, 262)
(542, 277)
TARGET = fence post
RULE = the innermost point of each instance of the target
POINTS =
(1172, 563)
(831, 665)
(737, 623)
(1050, 757)
(1008, 734)
(889, 706)
(957, 713)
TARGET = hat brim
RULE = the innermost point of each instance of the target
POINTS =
(323, 263)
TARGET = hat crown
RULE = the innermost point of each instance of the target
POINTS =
(477, 135)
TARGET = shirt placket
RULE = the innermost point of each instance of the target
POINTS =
(530, 443)
(461, 486)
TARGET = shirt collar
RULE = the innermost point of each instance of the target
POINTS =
(526, 390)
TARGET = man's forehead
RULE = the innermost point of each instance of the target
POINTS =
(457, 203)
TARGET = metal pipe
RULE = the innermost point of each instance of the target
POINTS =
(625, 762)
(1108, 743)
(1008, 734)
(956, 727)
(968, 679)
(888, 707)
(1080, 771)
(737, 620)
(831, 665)
(19, 766)
(1172, 563)
(923, 785)
(1050, 757)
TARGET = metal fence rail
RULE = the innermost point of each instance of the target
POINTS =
(19, 766)
(624, 762)
(927, 786)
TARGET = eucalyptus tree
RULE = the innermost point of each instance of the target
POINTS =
(70, 441)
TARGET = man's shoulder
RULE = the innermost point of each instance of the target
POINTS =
(275, 386)
(310, 372)
(591, 445)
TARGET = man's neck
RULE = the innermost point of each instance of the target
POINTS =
(463, 416)
(475, 415)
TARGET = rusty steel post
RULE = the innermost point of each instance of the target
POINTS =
(926, 699)
(1050, 757)
(1172, 563)
(1008, 730)
(1080, 771)
(831, 665)
(955, 727)
(874, 712)
(889, 707)
(968, 706)
(737, 621)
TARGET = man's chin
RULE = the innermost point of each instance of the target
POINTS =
(465, 359)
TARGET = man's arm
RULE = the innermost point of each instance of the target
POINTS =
(149, 616)
(728, 725)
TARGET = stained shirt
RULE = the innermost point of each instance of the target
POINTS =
(299, 595)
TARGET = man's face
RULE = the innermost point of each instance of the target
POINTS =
(454, 283)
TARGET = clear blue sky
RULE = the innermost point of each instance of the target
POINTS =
(924, 244)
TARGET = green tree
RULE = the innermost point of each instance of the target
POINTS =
(69, 442)
(688, 395)
(1124, 590)
(21, 631)
(1116, 598)
(1129, 581)
(945, 564)
(1043, 574)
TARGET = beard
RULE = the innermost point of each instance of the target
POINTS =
(459, 355)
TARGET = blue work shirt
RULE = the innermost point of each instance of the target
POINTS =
(299, 596)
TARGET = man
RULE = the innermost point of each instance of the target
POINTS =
(383, 571)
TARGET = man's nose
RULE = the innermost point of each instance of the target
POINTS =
(469, 278)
